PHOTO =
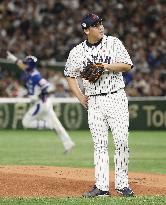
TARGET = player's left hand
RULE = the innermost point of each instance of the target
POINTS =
(92, 72)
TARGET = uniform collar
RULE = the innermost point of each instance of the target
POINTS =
(95, 44)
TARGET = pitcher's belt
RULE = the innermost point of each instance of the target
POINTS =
(103, 94)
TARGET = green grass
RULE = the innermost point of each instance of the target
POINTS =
(43, 148)
(158, 200)
(147, 150)
(147, 154)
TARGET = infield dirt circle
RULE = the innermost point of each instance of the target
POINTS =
(44, 181)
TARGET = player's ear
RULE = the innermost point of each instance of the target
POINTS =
(86, 31)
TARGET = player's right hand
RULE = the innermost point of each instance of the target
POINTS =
(84, 100)
(11, 57)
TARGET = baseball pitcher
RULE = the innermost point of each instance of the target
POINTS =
(100, 61)
(41, 114)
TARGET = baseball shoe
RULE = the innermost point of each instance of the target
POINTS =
(95, 192)
(126, 191)
(69, 149)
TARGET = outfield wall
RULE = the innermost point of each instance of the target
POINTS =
(145, 113)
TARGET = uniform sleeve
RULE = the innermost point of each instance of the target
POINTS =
(41, 82)
(73, 64)
(121, 54)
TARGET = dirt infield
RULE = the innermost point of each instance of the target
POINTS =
(43, 181)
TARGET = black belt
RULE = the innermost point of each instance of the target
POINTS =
(103, 94)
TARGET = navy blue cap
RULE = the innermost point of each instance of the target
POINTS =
(90, 20)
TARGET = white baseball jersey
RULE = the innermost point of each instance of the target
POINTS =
(105, 111)
(109, 50)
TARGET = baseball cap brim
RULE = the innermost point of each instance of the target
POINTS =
(84, 26)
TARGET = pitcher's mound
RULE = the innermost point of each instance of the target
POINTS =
(43, 181)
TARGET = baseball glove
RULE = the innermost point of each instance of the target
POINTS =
(92, 72)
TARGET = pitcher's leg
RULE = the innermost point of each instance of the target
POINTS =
(121, 158)
(99, 131)
(119, 124)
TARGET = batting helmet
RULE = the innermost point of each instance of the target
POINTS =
(31, 62)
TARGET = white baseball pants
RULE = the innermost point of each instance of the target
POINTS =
(104, 112)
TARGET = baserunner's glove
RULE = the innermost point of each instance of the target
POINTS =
(11, 57)
(15, 60)
(92, 72)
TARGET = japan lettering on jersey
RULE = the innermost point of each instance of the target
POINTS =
(109, 50)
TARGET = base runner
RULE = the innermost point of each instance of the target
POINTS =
(41, 114)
